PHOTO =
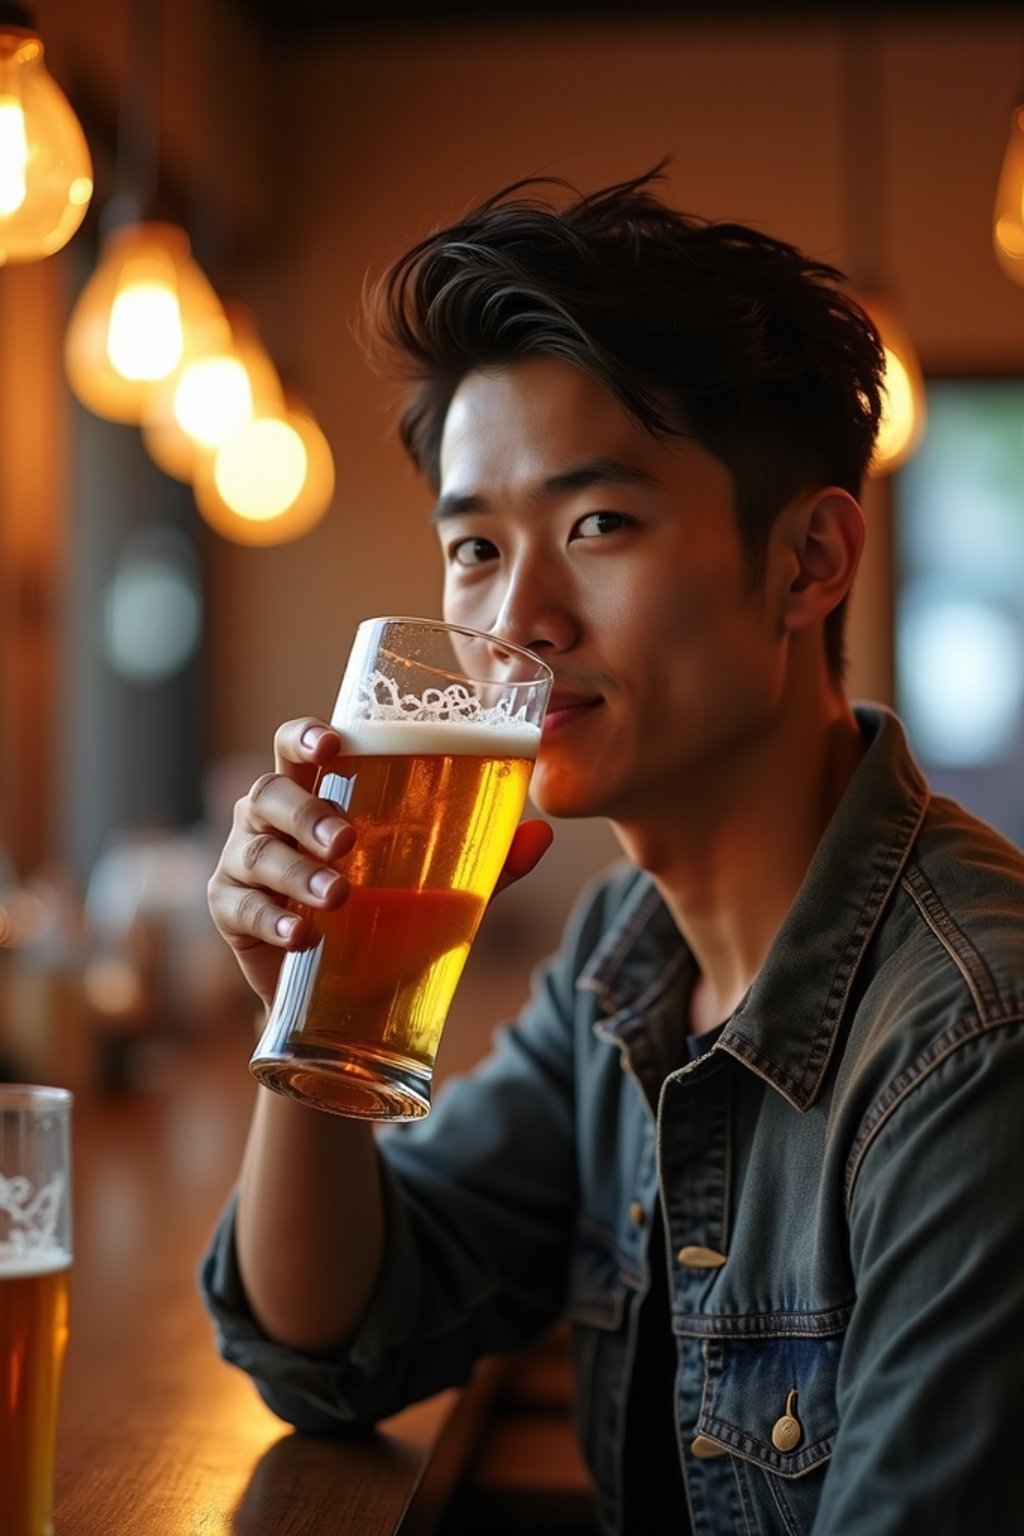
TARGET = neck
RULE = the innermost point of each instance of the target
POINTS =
(730, 854)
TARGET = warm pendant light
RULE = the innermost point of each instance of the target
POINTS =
(1008, 224)
(904, 411)
(150, 343)
(227, 381)
(270, 482)
(138, 319)
(45, 167)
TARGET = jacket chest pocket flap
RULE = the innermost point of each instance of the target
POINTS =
(773, 1400)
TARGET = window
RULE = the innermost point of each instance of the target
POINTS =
(960, 605)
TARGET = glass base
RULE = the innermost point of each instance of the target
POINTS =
(355, 1081)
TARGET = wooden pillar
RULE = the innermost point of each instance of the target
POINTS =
(33, 516)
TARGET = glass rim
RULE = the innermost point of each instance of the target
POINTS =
(15, 1096)
(545, 673)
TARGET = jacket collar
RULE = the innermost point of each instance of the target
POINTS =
(786, 1027)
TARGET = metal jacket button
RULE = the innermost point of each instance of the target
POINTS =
(693, 1256)
(705, 1449)
(637, 1214)
(787, 1431)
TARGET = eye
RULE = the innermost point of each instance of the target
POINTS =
(597, 524)
(472, 552)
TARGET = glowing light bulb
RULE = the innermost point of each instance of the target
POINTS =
(260, 471)
(1008, 223)
(898, 418)
(904, 411)
(145, 337)
(213, 399)
(272, 481)
(226, 381)
(13, 156)
(45, 167)
(139, 317)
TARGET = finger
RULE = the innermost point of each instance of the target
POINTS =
(268, 863)
(303, 746)
(530, 843)
(278, 806)
(247, 917)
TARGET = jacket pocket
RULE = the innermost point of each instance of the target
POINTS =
(771, 1402)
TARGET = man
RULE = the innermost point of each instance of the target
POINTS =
(758, 1131)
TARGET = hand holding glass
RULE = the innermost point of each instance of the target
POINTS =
(35, 1260)
(440, 727)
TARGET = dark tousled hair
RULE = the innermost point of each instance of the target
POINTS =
(702, 329)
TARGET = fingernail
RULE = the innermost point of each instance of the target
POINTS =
(321, 882)
(310, 737)
(327, 829)
(285, 927)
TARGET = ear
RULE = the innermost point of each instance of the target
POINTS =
(823, 534)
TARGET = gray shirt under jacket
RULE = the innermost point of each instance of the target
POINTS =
(841, 1187)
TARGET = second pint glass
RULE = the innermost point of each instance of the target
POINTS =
(35, 1261)
(440, 727)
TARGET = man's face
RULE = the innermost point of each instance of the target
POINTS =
(568, 529)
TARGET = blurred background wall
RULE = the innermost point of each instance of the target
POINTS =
(308, 144)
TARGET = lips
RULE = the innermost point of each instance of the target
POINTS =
(565, 709)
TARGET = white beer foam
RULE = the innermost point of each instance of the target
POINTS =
(439, 738)
(22, 1263)
(380, 697)
(31, 1214)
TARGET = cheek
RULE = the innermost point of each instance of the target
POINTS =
(623, 609)
(705, 603)
(704, 641)
(468, 605)
(453, 597)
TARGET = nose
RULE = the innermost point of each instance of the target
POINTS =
(536, 612)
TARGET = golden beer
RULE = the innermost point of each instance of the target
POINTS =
(33, 1337)
(357, 1020)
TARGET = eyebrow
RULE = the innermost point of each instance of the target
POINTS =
(601, 470)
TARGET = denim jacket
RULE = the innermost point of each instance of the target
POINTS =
(841, 1181)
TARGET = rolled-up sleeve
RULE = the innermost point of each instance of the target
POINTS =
(479, 1204)
(322, 1393)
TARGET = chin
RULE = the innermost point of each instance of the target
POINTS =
(567, 795)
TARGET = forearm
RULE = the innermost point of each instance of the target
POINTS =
(310, 1225)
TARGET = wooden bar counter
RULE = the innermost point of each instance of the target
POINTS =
(158, 1437)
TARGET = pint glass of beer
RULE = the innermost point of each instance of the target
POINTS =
(35, 1260)
(440, 727)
